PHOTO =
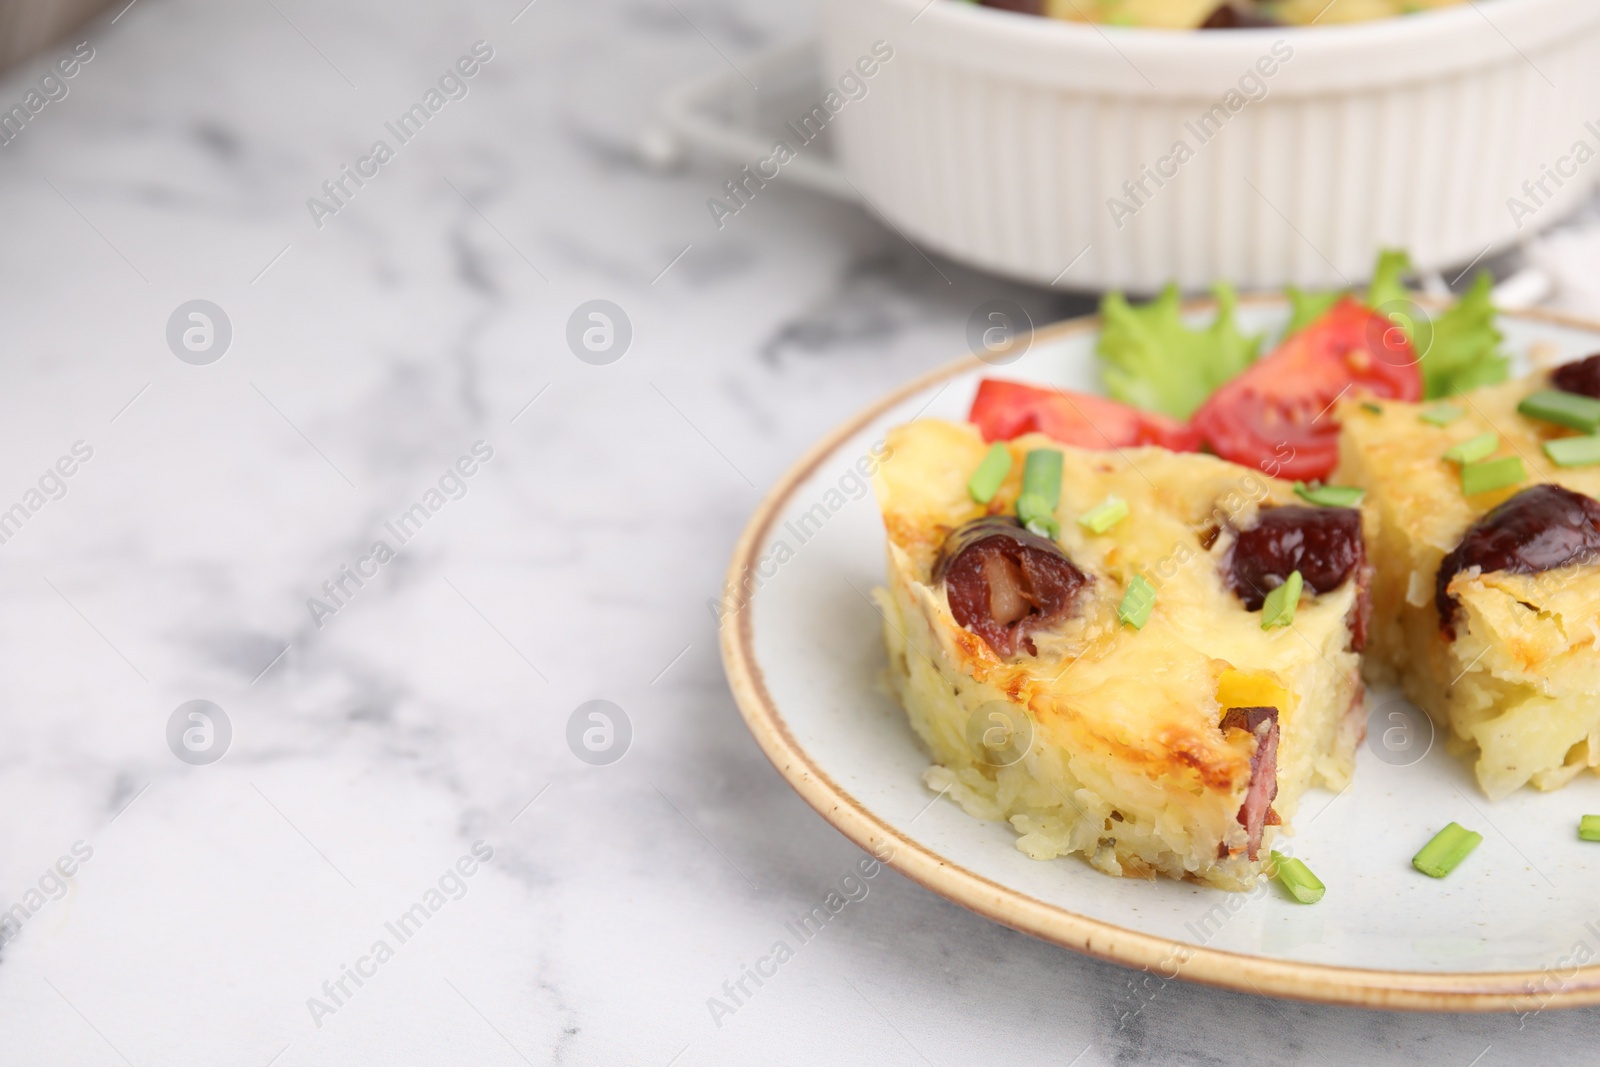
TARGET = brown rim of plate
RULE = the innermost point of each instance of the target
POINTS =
(1317, 983)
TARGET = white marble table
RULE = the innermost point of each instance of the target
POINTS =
(214, 912)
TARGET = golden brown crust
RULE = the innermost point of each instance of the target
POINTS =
(1129, 718)
(1525, 640)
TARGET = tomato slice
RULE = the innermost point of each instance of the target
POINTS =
(1003, 410)
(1278, 415)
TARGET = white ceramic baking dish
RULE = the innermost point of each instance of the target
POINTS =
(1048, 150)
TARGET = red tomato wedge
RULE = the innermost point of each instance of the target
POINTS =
(1278, 415)
(1003, 410)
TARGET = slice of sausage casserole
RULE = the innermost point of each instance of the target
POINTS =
(1146, 665)
(1487, 595)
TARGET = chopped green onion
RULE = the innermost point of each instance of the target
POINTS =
(1368, 405)
(1137, 603)
(1581, 451)
(1049, 529)
(1495, 474)
(1564, 409)
(1041, 474)
(1298, 879)
(1106, 515)
(991, 473)
(1038, 516)
(1041, 492)
(1330, 496)
(1441, 414)
(1473, 448)
(1278, 609)
(1589, 828)
(1446, 851)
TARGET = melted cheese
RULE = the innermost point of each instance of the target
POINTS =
(1113, 706)
(1521, 682)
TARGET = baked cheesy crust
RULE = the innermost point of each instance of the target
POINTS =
(1125, 761)
(1518, 690)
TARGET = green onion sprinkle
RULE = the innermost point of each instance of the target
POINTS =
(1564, 409)
(1041, 492)
(1330, 496)
(1495, 474)
(1278, 609)
(1137, 603)
(1297, 878)
(991, 473)
(1102, 517)
(1446, 851)
(1580, 451)
(1473, 448)
(1441, 414)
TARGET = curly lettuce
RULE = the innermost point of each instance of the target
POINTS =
(1459, 347)
(1151, 360)
(1306, 308)
(1388, 286)
(1465, 352)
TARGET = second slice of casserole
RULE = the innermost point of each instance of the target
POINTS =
(1487, 596)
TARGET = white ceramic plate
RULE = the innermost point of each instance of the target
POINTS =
(1511, 929)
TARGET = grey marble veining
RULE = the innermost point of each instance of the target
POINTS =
(375, 744)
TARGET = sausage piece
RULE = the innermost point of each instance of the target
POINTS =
(1004, 582)
(1541, 528)
(1234, 16)
(1581, 377)
(1324, 544)
(1023, 7)
(1256, 813)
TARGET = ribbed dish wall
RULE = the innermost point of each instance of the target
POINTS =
(1005, 170)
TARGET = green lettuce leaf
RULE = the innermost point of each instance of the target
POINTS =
(1151, 360)
(1460, 347)
(1306, 308)
(1386, 287)
(1465, 349)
